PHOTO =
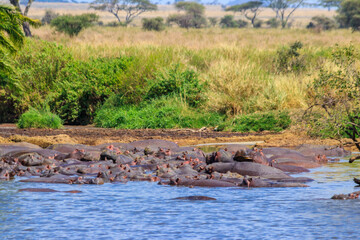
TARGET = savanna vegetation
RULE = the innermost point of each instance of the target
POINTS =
(190, 75)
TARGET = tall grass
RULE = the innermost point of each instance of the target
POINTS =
(237, 69)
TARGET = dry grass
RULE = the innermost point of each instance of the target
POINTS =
(109, 39)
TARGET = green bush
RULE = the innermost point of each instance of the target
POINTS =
(322, 23)
(228, 22)
(49, 16)
(84, 86)
(273, 23)
(213, 21)
(156, 24)
(37, 67)
(34, 118)
(184, 84)
(257, 122)
(72, 25)
(289, 59)
(349, 14)
(165, 112)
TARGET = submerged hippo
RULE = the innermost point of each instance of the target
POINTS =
(195, 198)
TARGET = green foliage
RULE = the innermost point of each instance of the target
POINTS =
(156, 24)
(72, 25)
(43, 118)
(11, 37)
(184, 84)
(334, 96)
(213, 21)
(193, 17)
(84, 86)
(163, 112)
(192, 8)
(349, 14)
(321, 23)
(273, 23)
(228, 22)
(257, 122)
(330, 3)
(132, 8)
(289, 59)
(257, 23)
(250, 10)
(39, 65)
(49, 16)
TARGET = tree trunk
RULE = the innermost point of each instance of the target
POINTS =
(26, 28)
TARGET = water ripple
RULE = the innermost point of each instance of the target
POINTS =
(142, 210)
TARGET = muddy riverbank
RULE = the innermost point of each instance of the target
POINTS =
(90, 135)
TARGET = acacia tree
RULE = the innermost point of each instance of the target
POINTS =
(132, 8)
(193, 17)
(284, 9)
(250, 10)
(330, 3)
(25, 24)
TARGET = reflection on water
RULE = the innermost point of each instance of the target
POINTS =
(142, 210)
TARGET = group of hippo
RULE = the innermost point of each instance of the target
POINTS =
(163, 162)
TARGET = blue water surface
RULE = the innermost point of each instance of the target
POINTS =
(143, 210)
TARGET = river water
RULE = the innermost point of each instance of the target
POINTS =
(143, 210)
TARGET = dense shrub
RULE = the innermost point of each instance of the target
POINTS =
(184, 84)
(321, 23)
(349, 14)
(49, 16)
(187, 21)
(37, 68)
(164, 112)
(228, 22)
(257, 122)
(34, 118)
(334, 96)
(72, 25)
(273, 23)
(289, 59)
(84, 87)
(213, 21)
(156, 24)
(258, 23)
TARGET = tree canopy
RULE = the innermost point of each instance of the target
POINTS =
(284, 9)
(132, 8)
(349, 14)
(250, 10)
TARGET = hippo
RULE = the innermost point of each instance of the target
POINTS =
(258, 182)
(290, 168)
(248, 168)
(195, 198)
(329, 151)
(46, 190)
(153, 144)
(345, 196)
(200, 183)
